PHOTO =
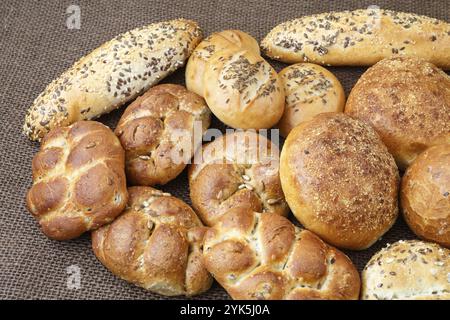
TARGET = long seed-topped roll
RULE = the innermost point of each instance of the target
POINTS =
(360, 37)
(112, 74)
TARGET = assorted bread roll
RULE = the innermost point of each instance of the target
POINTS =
(78, 180)
(339, 180)
(113, 74)
(408, 270)
(337, 171)
(157, 131)
(407, 101)
(196, 66)
(310, 89)
(264, 256)
(155, 244)
(359, 38)
(240, 169)
(425, 195)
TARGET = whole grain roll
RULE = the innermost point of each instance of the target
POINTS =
(425, 195)
(339, 180)
(408, 270)
(407, 101)
(243, 90)
(227, 39)
(310, 89)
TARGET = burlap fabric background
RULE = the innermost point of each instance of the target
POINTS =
(36, 46)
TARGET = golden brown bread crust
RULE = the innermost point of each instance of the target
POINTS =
(216, 42)
(339, 180)
(310, 89)
(260, 256)
(113, 74)
(78, 180)
(157, 133)
(243, 90)
(231, 173)
(155, 244)
(425, 195)
(359, 38)
(408, 270)
(407, 101)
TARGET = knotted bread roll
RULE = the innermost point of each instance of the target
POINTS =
(240, 169)
(78, 180)
(262, 256)
(155, 244)
(113, 74)
(216, 42)
(339, 180)
(157, 131)
(408, 270)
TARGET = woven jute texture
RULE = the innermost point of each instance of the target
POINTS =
(36, 46)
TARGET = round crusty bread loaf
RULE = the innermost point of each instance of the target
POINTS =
(310, 89)
(243, 90)
(238, 169)
(425, 195)
(227, 39)
(155, 244)
(78, 180)
(157, 132)
(261, 256)
(407, 101)
(408, 270)
(339, 180)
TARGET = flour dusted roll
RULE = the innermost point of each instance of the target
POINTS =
(407, 101)
(359, 38)
(227, 39)
(310, 89)
(408, 270)
(261, 256)
(425, 195)
(243, 90)
(340, 180)
(113, 74)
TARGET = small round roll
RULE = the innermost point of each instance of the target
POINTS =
(240, 169)
(408, 270)
(310, 89)
(243, 90)
(425, 195)
(339, 180)
(227, 39)
(407, 101)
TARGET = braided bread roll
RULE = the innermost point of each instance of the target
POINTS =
(157, 132)
(240, 169)
(113, 74)
(216, 42)
(155, 244)
(78, 180)
(260, 256)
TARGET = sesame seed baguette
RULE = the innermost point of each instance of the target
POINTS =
(113, 74)
(359, 38)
